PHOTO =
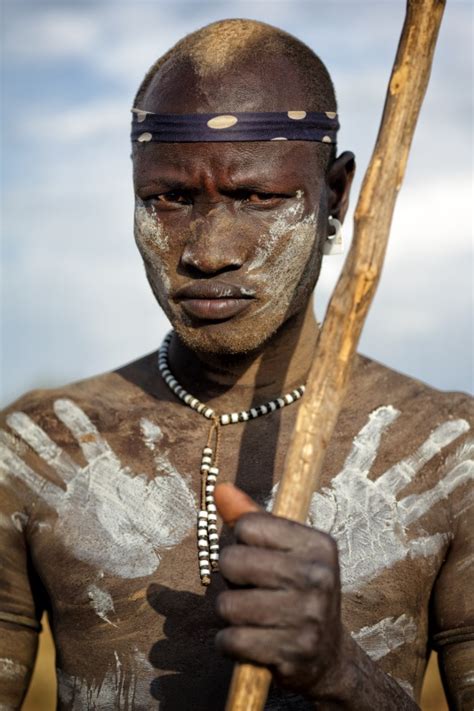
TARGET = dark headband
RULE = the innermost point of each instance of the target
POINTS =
(262, 126)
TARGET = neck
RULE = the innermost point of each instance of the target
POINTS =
(279, 366)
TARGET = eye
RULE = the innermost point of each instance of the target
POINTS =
(169, 200)
(264, 200)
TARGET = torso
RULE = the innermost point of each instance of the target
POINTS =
(113, 537)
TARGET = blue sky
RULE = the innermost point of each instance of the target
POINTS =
(75, 301)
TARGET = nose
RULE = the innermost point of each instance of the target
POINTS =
(213, 246)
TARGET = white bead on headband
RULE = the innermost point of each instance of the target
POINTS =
(207, 534)
(249, 126)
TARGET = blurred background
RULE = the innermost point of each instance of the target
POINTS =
(74, 299)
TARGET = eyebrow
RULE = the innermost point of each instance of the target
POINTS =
(258, 184)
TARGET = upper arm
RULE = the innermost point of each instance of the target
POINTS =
(21, 600)
(453, 606)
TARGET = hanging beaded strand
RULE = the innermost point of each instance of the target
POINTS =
(207, 535)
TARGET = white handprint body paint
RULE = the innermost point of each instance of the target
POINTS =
(369, 523)
(128, 518)
(125, 517)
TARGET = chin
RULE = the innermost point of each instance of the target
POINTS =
(226, 337)
(233, 337)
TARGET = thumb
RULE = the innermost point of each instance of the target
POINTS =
(232, 503)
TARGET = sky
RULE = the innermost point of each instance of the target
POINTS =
(74, 298)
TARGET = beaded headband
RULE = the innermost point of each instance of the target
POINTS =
(256, 126)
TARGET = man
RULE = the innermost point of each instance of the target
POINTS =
(101, 480)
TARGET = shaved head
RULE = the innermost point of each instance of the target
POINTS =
(239, 65)
(222, 47)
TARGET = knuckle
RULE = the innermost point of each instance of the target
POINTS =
(321, 577)
(287, 669)
(227, 558)
(249, 524)
(331, 548)
(224, 605)
(312, 609)
(224, 640)
(308, 640)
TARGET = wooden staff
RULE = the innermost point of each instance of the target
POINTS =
(329, 373)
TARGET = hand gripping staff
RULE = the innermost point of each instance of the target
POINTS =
(329, 373)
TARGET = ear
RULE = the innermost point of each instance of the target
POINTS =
(339, 180)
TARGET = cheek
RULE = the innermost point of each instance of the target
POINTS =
(285, 250)
(149, 232)
(153, 243)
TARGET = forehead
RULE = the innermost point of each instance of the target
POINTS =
(292, 164)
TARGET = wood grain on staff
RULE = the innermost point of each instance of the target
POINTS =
(330, 370)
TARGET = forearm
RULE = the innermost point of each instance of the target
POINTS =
(17, 655)
(356, 683)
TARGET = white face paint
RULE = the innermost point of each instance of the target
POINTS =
(283, 253)
(370, 524)
(300, 233)
(152, 240)
(124, 517)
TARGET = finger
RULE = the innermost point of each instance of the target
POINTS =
(43, 445)
(276, 533)
(90, 441)
(250, 644)
(269, 608)
(11, 463)
(232, 503)
(246, 565)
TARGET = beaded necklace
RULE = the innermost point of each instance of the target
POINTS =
(207, 536)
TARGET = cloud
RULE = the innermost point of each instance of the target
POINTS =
(75, 298)
(48, 32)
(98, 119)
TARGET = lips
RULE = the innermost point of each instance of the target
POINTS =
(214, 300)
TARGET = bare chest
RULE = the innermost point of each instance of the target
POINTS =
(116, 543)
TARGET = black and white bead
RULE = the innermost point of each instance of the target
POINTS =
(208, 536)
(175, 387)
(254, 412)
(207, 533)
(203, 547)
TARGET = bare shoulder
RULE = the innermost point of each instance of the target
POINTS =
(101, 395)
(417, 426)
(415, 396)
(46, 432)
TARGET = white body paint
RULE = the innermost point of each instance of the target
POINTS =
(390, 633)
(101, 602)
(125, 518)
(364, 516)
(129, 518)
(151, 239)
(299, 231)
(9, 669)
(126, 685)
(149, 225)
(369, 523)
